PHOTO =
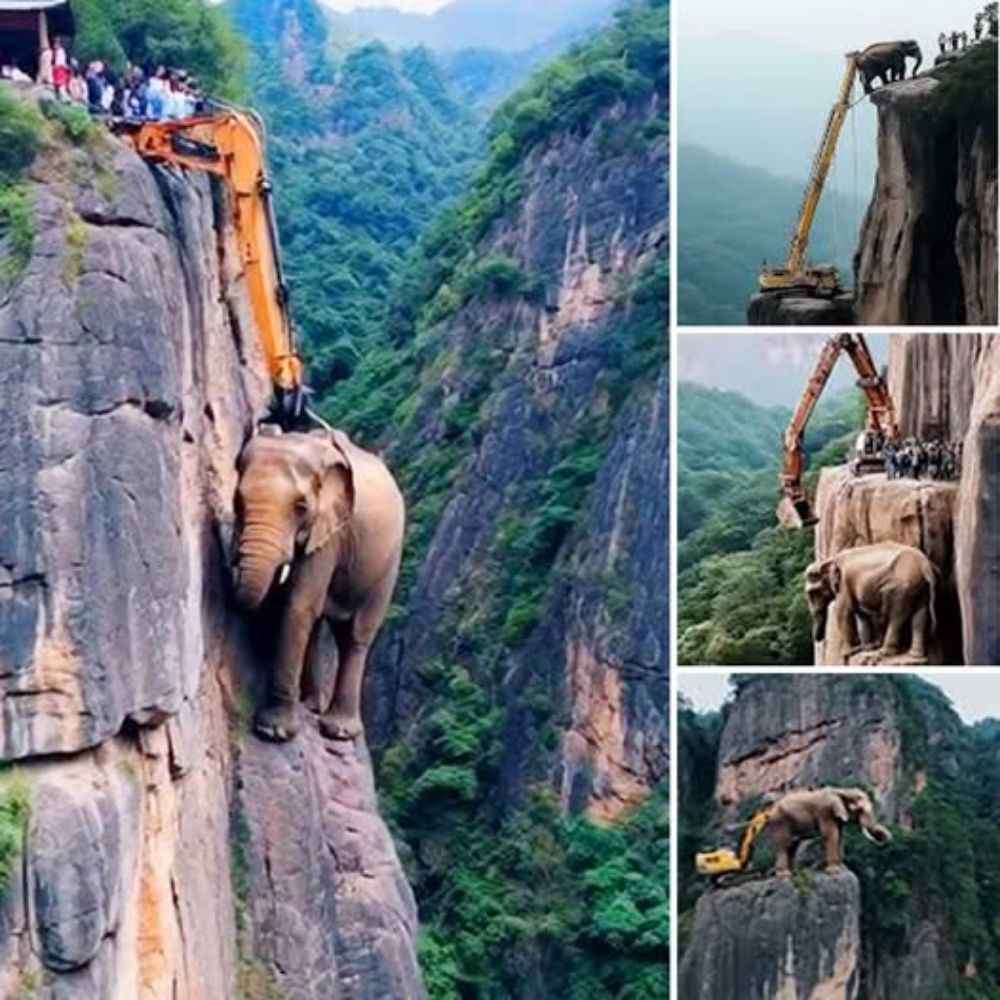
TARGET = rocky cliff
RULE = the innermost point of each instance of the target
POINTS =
(881, 927)
(927, 251)
(168, 853)
(946, 386)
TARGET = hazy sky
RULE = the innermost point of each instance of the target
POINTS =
(840, 27)
(974, 696)
(769, 368)
(411, 6)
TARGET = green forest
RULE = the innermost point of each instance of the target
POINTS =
(941, 869)
(740, 593)
(730, 218)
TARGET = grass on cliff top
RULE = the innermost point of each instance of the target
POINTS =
(20, 134)
(969, 87)
(15, 807)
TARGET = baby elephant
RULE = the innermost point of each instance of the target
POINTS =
(881, 595)
(319, 529)
(822, 811)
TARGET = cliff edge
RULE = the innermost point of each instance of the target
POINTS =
(168, 853)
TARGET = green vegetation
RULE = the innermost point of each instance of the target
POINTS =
(74, 121)
(188, 34)
(15, 807)
(969, 88)
(740, 595)
(20, 134)
(76, 246)
(731, 217)
(17, 230)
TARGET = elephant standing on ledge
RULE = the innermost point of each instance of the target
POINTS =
(319, 530)
(881, 594)
(886, 61)
(824, 812)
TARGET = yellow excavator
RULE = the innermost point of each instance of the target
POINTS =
(797, 275)
(794, 510)
(724, 861)
(230, 143)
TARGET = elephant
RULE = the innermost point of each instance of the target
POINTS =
(877, 592)
(824, 811)
(318, 535)
(886, 61)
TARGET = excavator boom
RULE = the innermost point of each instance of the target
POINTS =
(230, 144)
(727, 862)
(796, 274)
(795, 510)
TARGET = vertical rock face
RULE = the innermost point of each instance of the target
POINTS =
(590, 225)
(774, 940)
(127, 387)
(868, 510)
(945, 386)
(805, 730)
(928, 246)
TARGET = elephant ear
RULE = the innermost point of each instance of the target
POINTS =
(835, 576)
(841, 807)
(335, 500)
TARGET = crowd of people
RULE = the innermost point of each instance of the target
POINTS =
(916, 459)
(152, 93)
(959, 40)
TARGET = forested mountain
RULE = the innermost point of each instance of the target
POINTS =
(518, 388)
(729, 217)
(503, 25)
(365, 151)
(740, 596)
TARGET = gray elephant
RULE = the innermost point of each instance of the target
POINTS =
(823, 812)
(886, 62)
(319, 534)
(880, 593)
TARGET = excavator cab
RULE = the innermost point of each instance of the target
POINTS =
(725, 861)
(820, 280)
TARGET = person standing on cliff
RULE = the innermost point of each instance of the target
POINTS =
(965, 40)
(943, 42)
(954, 41)
(978, 26)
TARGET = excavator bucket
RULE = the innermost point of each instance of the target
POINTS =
(795, 516)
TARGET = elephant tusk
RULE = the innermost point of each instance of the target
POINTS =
(285, 573)
(869, 836)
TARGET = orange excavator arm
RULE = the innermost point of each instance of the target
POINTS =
(795, 509)
(230, 144)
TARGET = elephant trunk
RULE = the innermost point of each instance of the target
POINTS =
(261, 559)
(877, 834)
(919, 56)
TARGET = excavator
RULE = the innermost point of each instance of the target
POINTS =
(724, 861)
(230, 143)
(794, 510)
(797, 275)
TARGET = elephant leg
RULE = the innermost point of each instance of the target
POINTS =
(892, 644)
(781, 842)
(867, 632)
(847, 625)
(919, 628)
(278, 719)
(354, 638)
(831, 837)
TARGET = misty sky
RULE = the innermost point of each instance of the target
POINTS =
(840, 27)
(769, 368)
(973, 696)
(410, 6)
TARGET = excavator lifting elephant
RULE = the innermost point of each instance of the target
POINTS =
(886, 62)
(794, 510)
(319, 522)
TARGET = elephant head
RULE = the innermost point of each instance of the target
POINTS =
(295, 495)
(912, 49)
(858, 809)
(823, 581)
